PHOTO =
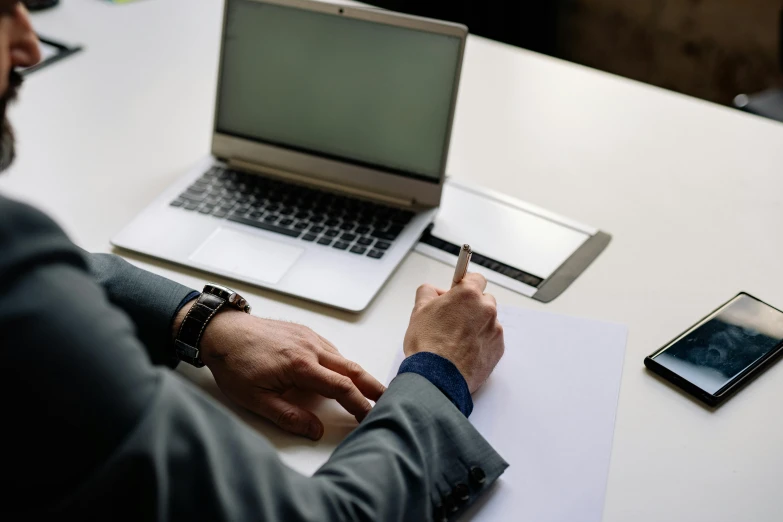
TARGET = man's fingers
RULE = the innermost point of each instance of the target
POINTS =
(367, 384)
(335, 386)
(328, 346)
(475, 280)
(289, 417)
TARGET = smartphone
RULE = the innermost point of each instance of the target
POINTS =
(724, 351)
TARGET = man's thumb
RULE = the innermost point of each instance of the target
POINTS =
(425, 294)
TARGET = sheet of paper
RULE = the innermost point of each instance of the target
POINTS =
(549, 410)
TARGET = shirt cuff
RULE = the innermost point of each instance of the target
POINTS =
(188, 298)
(444, 375)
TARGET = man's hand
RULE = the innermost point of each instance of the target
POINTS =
(254, 361)
(461, 325)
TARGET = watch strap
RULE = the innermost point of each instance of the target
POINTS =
(193, 326)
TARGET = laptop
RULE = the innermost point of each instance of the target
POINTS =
(331, 132)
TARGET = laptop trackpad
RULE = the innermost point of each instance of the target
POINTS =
(246, 256)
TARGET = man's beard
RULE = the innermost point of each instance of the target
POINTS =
(7, 147)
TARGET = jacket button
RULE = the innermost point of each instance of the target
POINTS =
(477, 475)
(449, 506)
(461, 492)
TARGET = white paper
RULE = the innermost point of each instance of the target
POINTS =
(549, 410)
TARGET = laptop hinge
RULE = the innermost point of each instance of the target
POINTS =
(328, 185)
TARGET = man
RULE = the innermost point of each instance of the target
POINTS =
(97, 427)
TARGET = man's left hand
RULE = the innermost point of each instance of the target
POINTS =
(255, 361)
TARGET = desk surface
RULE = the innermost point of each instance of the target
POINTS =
(691, 192)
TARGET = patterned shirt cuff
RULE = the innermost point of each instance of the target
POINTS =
(444, 375)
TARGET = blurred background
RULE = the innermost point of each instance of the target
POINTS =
(711, 49)
(725, 51)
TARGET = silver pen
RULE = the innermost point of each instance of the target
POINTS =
(462, 264)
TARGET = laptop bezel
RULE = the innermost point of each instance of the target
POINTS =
(406, 189)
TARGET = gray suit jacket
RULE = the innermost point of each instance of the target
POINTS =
(96, 427)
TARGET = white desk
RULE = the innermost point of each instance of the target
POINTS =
(691, 192)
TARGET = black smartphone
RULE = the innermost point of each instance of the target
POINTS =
(722, 352)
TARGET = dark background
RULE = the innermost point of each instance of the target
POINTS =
(711, 49)
(529, 24)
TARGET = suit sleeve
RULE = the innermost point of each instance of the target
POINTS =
(151, 301)
(110, 436)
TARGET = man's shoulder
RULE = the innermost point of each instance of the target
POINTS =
(22, 223)
(16, 210)
(29, 237)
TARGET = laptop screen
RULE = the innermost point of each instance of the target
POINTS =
(367, 93)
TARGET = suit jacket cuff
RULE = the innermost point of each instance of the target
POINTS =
(467, 465)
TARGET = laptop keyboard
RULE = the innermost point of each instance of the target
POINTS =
(344, 223)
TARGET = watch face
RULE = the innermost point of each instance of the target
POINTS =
(233, 298)
(220, 291)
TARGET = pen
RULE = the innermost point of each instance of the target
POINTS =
(462, 264)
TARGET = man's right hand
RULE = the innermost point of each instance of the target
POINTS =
(460, 325)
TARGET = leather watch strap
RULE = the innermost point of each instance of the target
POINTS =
(192, 328)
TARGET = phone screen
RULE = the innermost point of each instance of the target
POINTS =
(715, 351)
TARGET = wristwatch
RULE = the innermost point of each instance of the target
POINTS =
(212, 300)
